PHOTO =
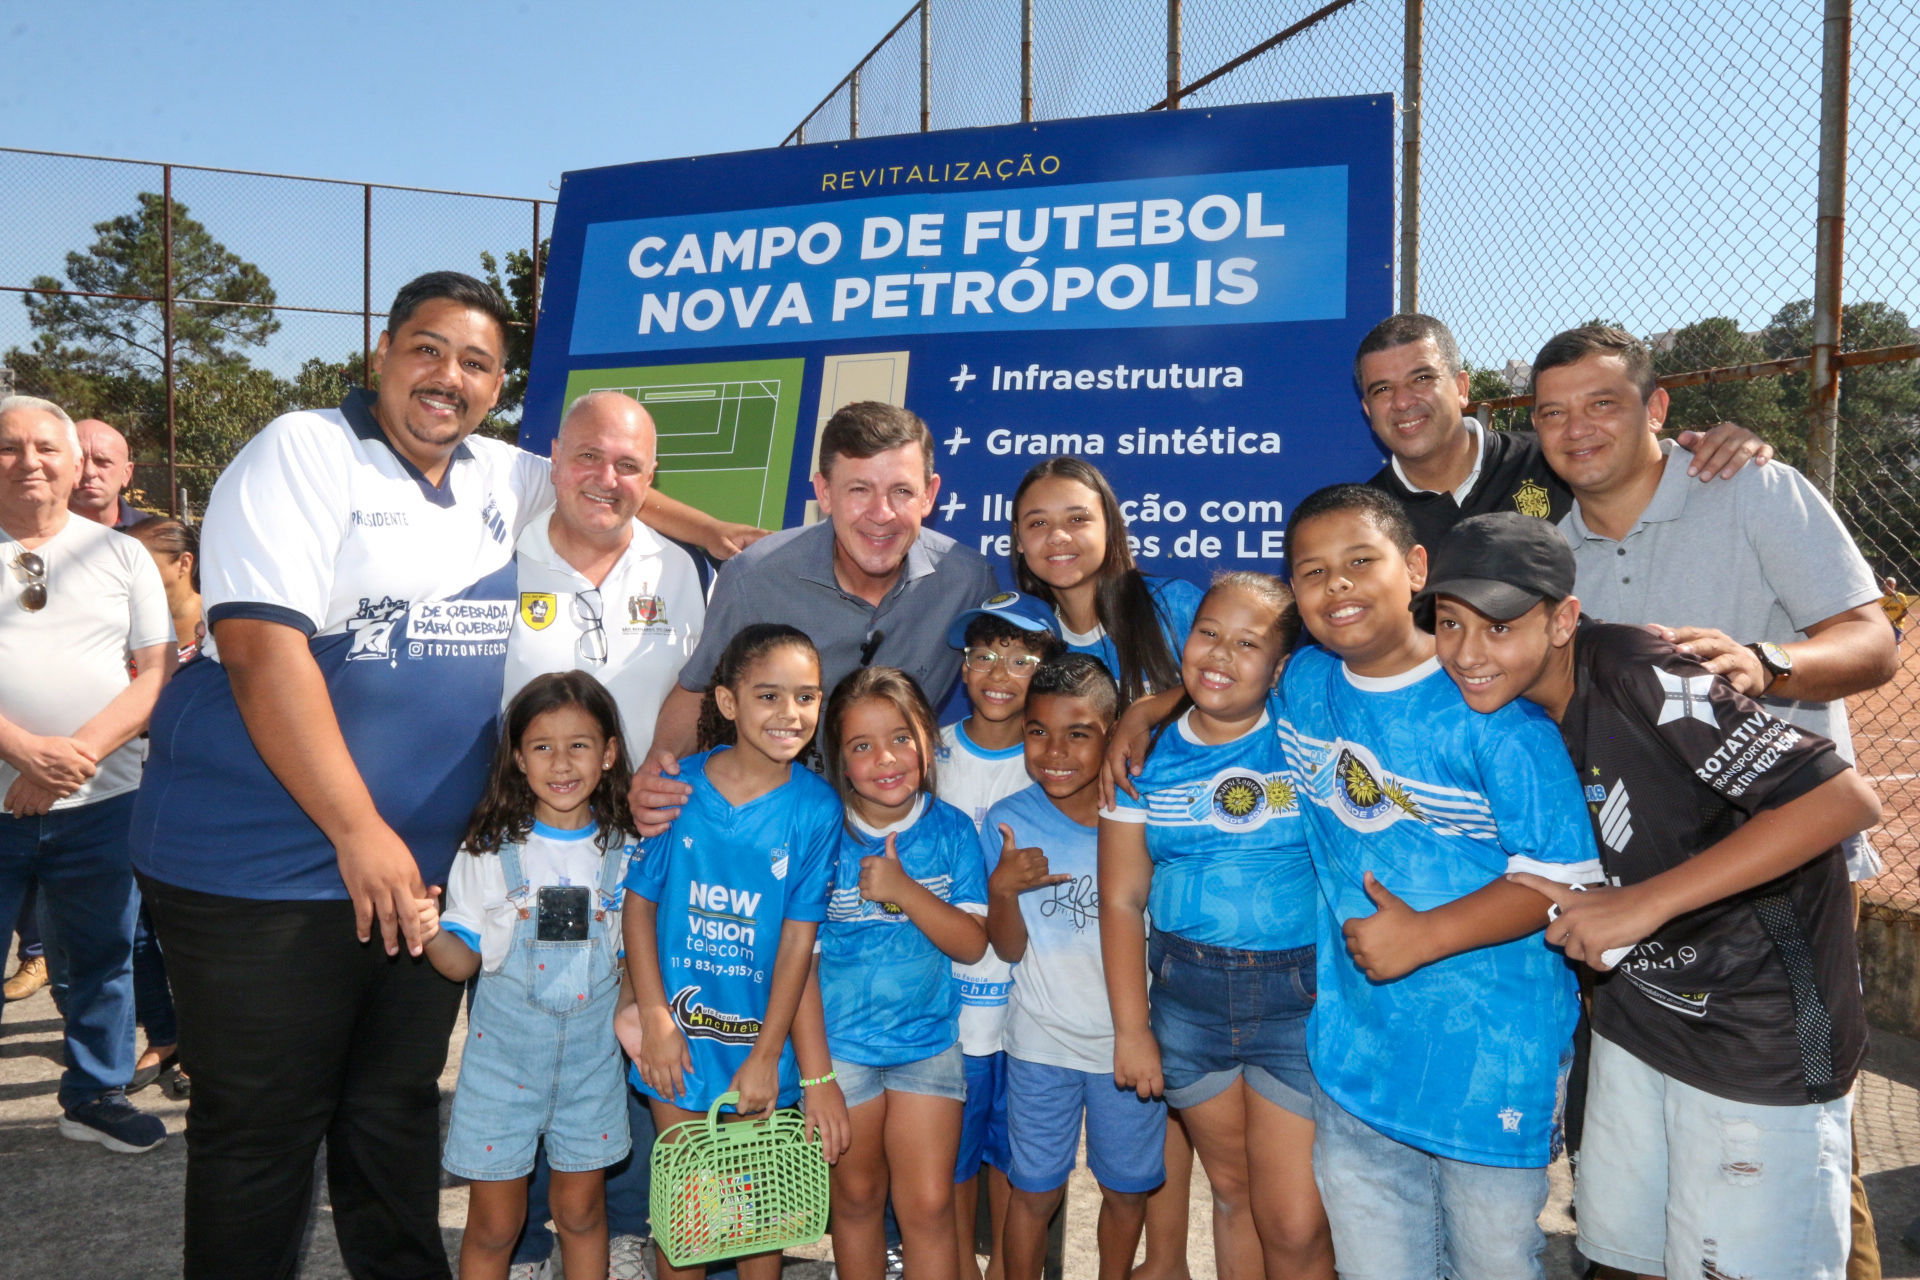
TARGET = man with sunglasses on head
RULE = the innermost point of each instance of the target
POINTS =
(82, 606)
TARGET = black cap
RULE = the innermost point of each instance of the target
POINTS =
(1502, 564)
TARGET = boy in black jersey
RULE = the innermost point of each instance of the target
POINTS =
(1727, 1017)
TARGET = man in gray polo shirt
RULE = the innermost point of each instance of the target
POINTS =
(1772, 591)
(868, 584)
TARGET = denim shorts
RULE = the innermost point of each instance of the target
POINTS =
(944, 1075)
(1219, 1013)
(983, 1125)
(1676, 1181)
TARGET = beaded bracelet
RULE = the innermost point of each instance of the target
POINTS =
(808, 1084)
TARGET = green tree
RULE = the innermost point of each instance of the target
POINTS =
(519, 288)
(1718, 343)
(126, 333)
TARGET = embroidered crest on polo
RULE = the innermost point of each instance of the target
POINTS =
(1531, 499)
(646, 610)
(1686, 696)
(537, 609)
(1241, 799)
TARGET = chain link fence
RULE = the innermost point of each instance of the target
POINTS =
(187, 306)
(1653, 163)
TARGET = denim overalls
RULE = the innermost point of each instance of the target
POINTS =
(541, 1059)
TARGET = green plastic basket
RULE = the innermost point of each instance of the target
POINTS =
(724, 1190)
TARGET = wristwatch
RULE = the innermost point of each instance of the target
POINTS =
(1777, 661)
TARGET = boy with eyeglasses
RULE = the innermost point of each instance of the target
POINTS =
(982, 760)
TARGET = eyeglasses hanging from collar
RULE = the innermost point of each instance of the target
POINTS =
(33, 571)
(590, 613)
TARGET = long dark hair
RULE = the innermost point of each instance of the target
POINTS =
(889, 684)
(1265, 588)
(748, 646)
(505, 813)
(1126, 607)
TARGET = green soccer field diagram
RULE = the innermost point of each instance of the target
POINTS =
(726, 430)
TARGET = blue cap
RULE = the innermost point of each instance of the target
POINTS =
(1022, 612)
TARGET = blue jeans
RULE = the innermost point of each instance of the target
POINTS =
(80, 859)
(1399, 1213)
(28, 925)
(629, 1184)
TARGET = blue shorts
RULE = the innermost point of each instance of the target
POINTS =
(944, 1075)
(1126, 1138)
(983, 1125)
(1219, 1013)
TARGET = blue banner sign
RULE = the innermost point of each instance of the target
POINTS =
(1174, 296)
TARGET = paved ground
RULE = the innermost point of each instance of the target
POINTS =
(76, 1212)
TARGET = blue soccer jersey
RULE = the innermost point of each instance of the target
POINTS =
(1398, 776)
(1175, 600)
(1230, 863)
(725, 879)
(889, 992)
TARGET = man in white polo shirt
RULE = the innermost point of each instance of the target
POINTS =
(602, 593)
(80, 603)
(599, 591)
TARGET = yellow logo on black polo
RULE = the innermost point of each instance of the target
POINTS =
(537, 609)
(1531, 499)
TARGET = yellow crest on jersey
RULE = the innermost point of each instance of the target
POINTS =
(537, 609)
(1531, 499)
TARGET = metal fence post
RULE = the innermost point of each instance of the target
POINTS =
(166, 341)
(1026, 61)
(853, 103)
(366, 290)
(533, 279)
(926, 65)
(1823, 398)
(1410, 104)
(1173, 55)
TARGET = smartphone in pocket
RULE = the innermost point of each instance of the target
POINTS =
(563, 913)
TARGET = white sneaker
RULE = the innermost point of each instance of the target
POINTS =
(628, 1258)
(542, 1270)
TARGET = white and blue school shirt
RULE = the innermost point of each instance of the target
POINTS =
(1175, 602)
(889, 992)
(726, 878)
(479, 911)
(1058, 1015)
(972, 779)
(1397, 775)
(405, 590)
(1229, 848)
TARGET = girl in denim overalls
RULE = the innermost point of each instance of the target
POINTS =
(533, 904)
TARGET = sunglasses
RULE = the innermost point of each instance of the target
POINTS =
(32, 568)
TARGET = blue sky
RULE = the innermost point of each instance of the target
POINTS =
(484, 95)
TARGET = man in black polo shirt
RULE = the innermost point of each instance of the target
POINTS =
(1446, 466)
(1727, 1017)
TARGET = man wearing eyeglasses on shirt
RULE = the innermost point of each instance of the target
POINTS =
(78, 603)
(599, 591)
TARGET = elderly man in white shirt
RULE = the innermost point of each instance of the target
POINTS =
(82, 604)
(602, 593)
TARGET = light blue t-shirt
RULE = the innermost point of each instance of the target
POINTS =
(1058, 1013)
(1398, 776)
(889, 992)
(1230, 862)
(1176, 601)
(725, 879)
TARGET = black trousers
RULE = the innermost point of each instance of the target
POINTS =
(294, 1031)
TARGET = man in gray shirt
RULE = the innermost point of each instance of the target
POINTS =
(1777, 597)
(868, 584)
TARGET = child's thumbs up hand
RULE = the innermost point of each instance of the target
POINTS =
(1020, 869)
(1393, 941)
(883, 878)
